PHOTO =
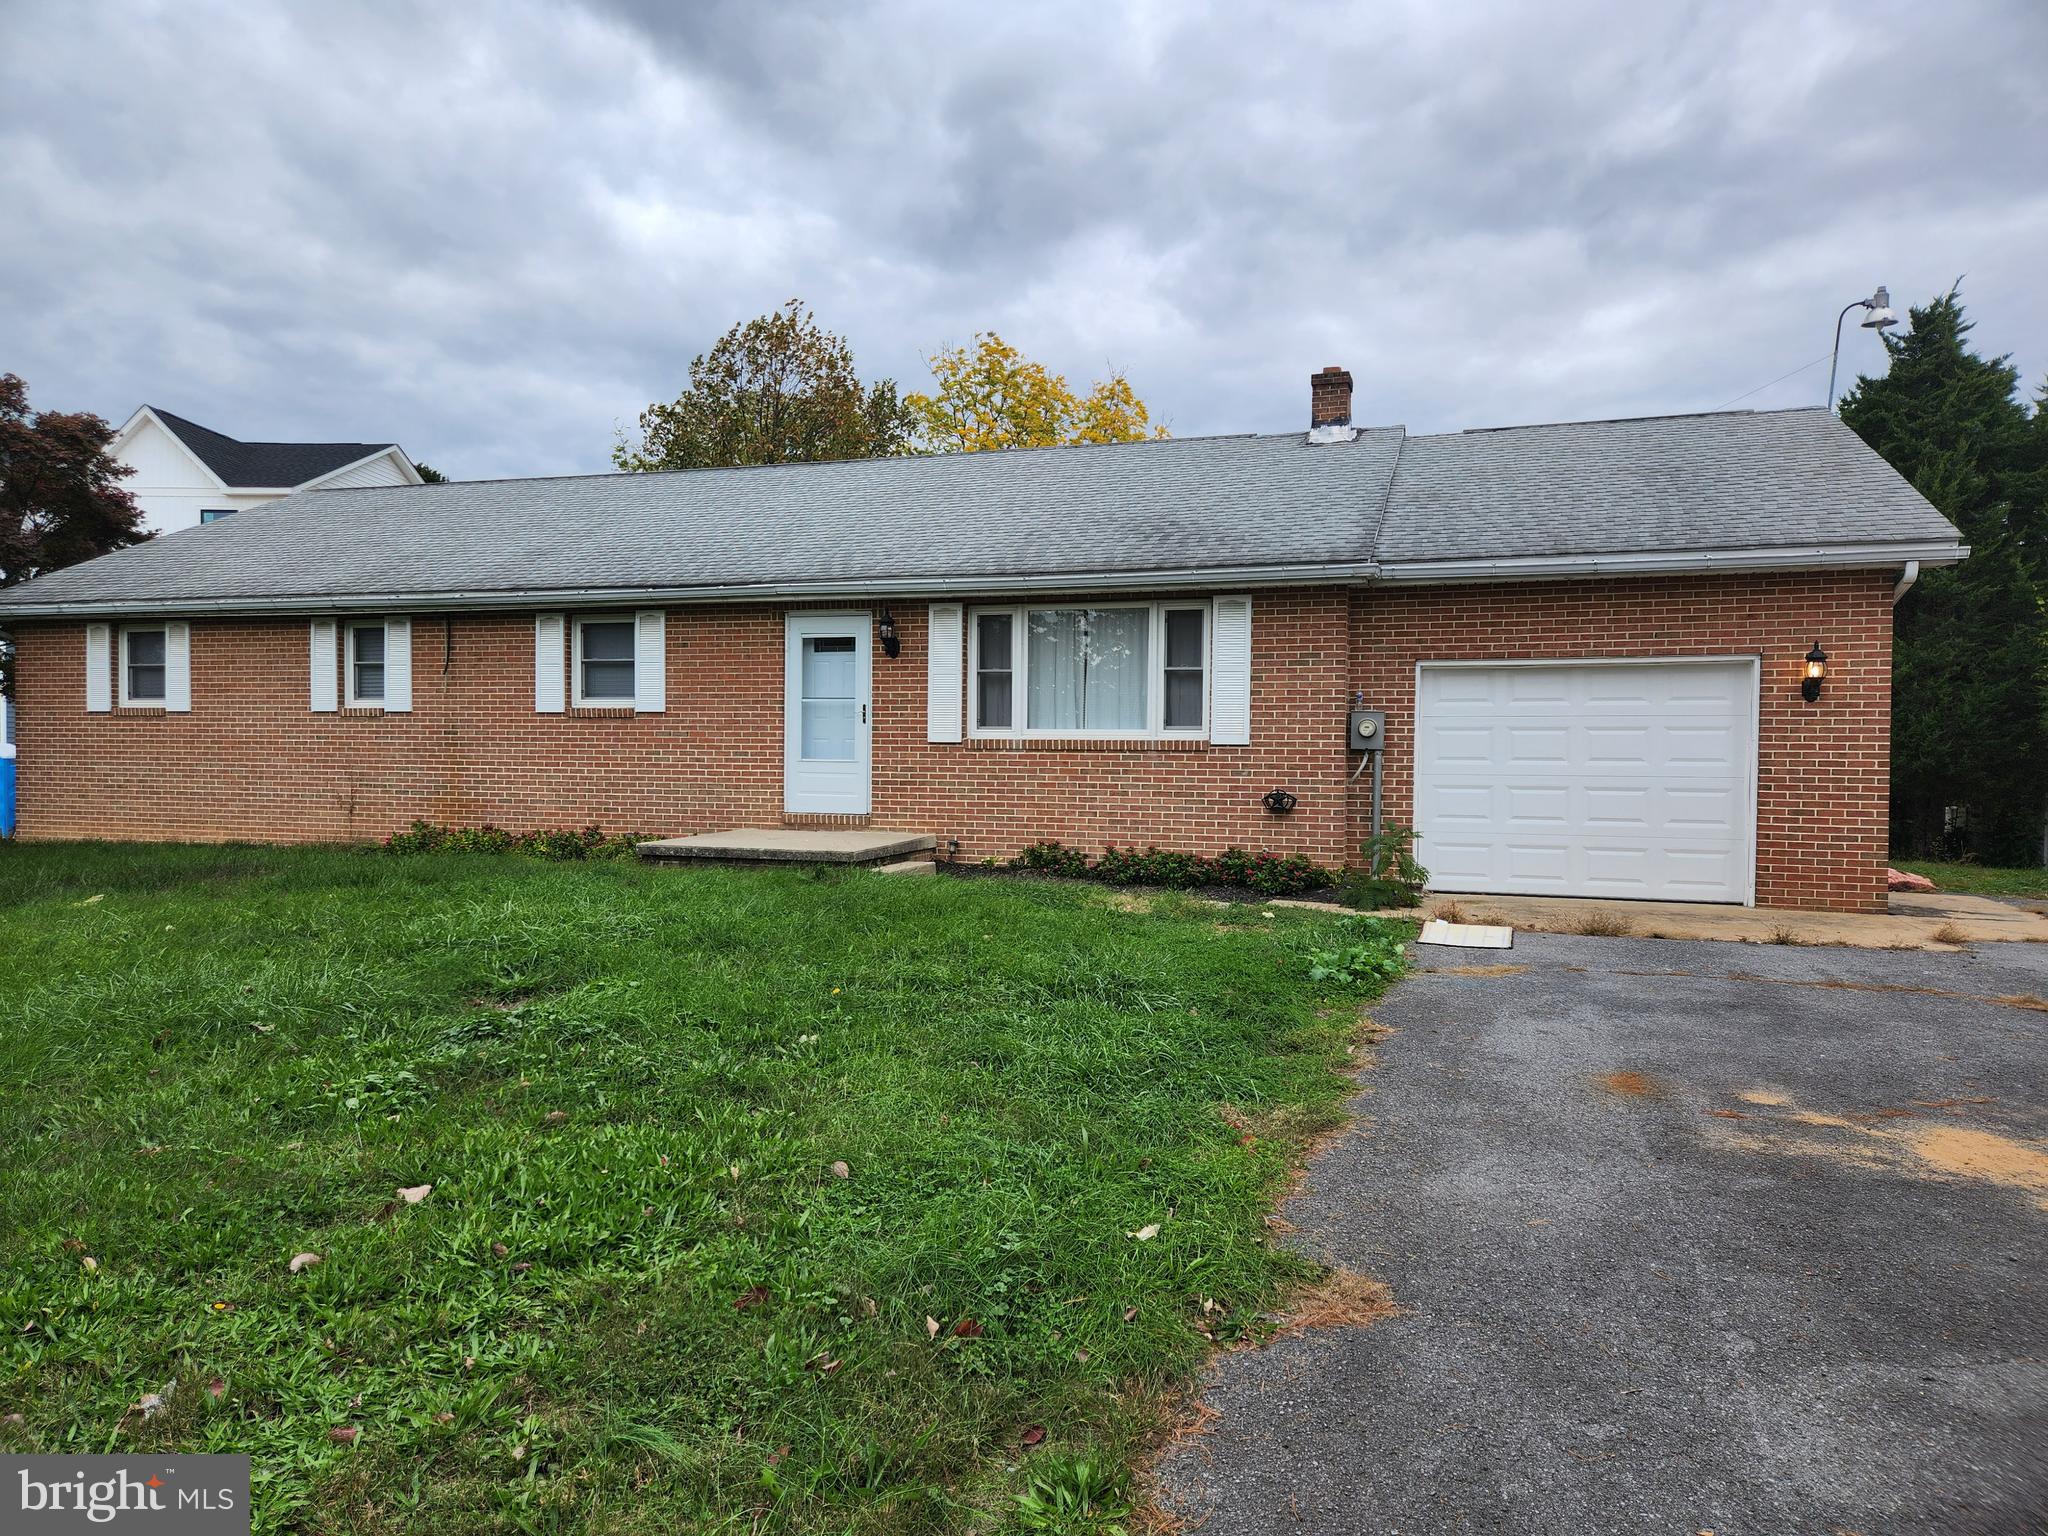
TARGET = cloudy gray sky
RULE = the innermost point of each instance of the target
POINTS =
(496, 232)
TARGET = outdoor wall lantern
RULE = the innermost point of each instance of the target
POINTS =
(1279, 802)
(892, 646)
(1816, 669)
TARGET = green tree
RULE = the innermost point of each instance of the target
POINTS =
(778, 389)
(1970, 658)
(989, 395)
(427, 473)
(59, 503)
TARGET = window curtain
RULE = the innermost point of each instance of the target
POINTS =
(1088, 668)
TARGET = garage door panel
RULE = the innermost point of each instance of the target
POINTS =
(1529, 807)
(1538, 746)
(1616, 807)
(1463, 745)
(1630, 779)
(1608, 747)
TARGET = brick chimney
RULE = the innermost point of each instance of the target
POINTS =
(1329, 398)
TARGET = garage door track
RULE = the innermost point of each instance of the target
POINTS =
(1688, 1237)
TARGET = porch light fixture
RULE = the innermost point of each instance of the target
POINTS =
(1816, 669)
(1878, 317)
(1279, 801)
(892, 644)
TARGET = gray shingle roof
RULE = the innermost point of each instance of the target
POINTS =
(1732, 480)
(1276, 505)
(264, 466)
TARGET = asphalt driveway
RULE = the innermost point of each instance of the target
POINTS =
(1689, 1237)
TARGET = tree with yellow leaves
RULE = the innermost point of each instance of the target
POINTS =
(990, 395)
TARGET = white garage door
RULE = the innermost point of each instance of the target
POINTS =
(1588, 779)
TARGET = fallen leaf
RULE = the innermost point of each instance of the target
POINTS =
(841, 1171)
(868, 1307)
(967, 1328)
(775, 1456)
(752, 1296)
(555, 1117)
(73, 1245)
(1033, 1434)
(90, 1263)
(413, 1194)
(1130, 1314)
(150, 1405)
(14, 1419)
(444, 1417)
(519, 1453)
(1146, 1233)
(499, 1250)
(343, 1434)
(1080, 1357)
(305, 1261)
(931, 1327)
(215, 1387)
(522, 1266)
(91, 899)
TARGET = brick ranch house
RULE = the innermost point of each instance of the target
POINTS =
(1589, 641)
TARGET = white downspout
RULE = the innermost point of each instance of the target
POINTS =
(1907, 577)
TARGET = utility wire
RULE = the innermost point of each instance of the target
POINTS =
(1781, 378)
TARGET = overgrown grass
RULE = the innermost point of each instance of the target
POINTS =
(1979, 879)
(639, 1298)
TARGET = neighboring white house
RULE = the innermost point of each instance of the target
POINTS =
(185, 474)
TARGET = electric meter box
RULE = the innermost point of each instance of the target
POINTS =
(1368, 730)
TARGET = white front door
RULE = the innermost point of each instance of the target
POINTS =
(1631, 779)
(826, 732)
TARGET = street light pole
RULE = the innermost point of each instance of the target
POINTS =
(1880, 306)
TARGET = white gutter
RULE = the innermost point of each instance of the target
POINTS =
(1206, 579)
(1907, 577)
(1796, 557)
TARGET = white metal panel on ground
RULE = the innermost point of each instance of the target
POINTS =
(1631, 779)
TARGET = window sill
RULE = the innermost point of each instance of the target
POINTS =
(362, 712)
(1088, 744)
(143, 709)
(602, 711)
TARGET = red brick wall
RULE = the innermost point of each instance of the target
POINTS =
(1823, 772)
(251, 761)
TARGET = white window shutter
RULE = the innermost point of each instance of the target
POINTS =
(942, 673)
(99, 668)
(1230, 679)
(320, 648)
(549, 631)
(398, 666)
(650, 662)
(177, 667)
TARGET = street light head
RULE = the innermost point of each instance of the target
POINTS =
(1879, 310)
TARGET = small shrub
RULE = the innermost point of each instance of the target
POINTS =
(1053, 859)
(1604, 925)
(1391, 876)
(558, 845)
(1375, 954)
(1155, 866)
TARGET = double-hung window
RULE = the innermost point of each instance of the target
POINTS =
(604, 662)
(366, 665)
(1121, 670)
(144, 655)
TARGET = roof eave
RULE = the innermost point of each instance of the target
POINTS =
(1206, 578)
(1882, 556)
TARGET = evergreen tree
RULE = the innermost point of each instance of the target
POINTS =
(1970, 658)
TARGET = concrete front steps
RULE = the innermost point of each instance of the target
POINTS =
(886, 852)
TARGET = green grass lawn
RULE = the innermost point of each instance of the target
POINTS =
(640, 1297)
(1979, 879)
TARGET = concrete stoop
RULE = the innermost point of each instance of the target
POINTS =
(892, 852)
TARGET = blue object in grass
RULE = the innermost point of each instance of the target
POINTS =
(6, 790)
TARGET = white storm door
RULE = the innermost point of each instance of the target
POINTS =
(1630, 779)
(826, 731)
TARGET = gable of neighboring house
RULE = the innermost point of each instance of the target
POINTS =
(185, 474)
